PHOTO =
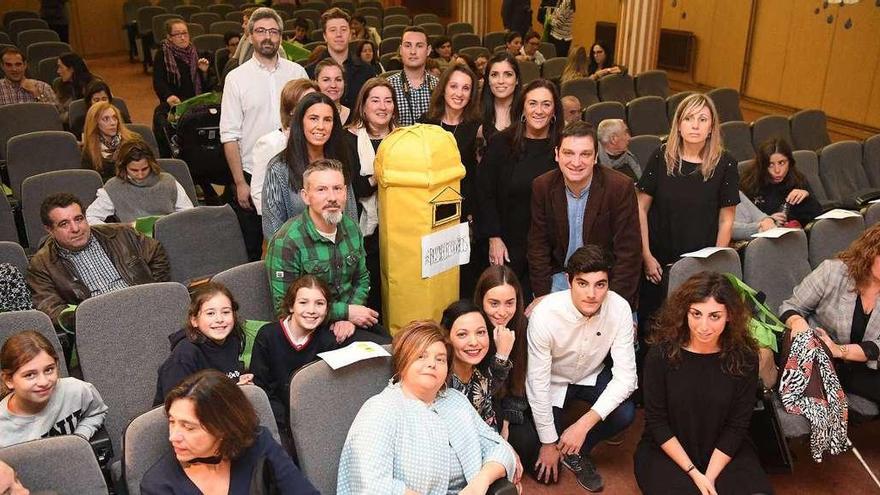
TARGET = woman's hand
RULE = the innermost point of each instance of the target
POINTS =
(703, 483)
(203, 64)
(798, 324)
(246, 379)
(796, 196)
(766, 224)
(832, 345)
(498, 254)
(653, 270)
(505, 430)
(172, 100)
(504, 338)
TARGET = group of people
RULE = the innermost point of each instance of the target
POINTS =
(573, 239)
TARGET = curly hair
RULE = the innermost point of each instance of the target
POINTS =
(860, 255)
(671, 331)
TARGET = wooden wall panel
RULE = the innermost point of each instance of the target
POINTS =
(493, 7)
(809, 45)
(96, 27)
(873, 107)
(729, 37)
(769, 46)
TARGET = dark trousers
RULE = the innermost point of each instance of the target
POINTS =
(250, 223)
(562, 46)
(374, 298)
(858, 379)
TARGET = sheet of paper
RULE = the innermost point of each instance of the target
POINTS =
(704, 253)
(775, 233)
(874, 201)
(838, 213)
(445, 249)
(352, 353)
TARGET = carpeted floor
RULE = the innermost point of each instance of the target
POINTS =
(840, 475)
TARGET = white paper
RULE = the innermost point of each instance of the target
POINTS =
(775, 233)
(874, 201)
(704, 253)
(352, 353)
(445, 249)
(838, 213)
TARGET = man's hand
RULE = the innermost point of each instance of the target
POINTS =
(362, 316)
(173, 100)
(30, 85)
(572, 439)
(243, 195)
(342, 330)
(548, 463)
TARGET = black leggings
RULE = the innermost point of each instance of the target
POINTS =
(858, 379)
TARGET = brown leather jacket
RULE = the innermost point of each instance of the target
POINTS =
(55, 283)
(611, 220)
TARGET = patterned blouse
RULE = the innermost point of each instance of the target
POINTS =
(484, 384)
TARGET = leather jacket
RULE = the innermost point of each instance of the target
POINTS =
(55, 283)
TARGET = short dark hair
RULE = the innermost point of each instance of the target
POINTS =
(578, 128)
(589, 259)
(360, 18)
(13, 50)
(531, 34)
(440, 41)
(414, 29)
(222, 408)
(229, 35)
(512, 36)
(95, 87)
(334, 13)
(301, 22)
(57, 200)
(134, 150)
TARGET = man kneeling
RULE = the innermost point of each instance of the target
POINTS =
(572, 335)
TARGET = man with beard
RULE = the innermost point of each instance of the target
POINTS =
(250, 109)
(324, 242)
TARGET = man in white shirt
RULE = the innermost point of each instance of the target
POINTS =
(251, 108)
(572, 335)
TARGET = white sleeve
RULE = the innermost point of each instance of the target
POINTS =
(623, 372)
(231, 114)
(183, 202)
(100, 209)
(538, 379)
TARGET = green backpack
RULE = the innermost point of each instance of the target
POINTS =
(764, 325)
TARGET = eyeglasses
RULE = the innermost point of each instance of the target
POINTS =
(179, 35)
(270, 32)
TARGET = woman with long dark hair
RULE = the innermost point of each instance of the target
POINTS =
(501, 91)
(514, 158)
(315, 133)
(73, 77)
(777, 187)
(703, 358)
(601, 61)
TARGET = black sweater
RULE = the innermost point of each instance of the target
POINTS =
(189, 357)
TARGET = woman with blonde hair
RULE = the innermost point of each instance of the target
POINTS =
(687, 195)
(104, 131)
(577, 65)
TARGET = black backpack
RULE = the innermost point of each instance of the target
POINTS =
(198, 139)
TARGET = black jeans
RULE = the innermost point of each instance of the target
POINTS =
(250, 223)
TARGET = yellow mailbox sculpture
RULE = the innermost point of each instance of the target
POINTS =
(418, 170)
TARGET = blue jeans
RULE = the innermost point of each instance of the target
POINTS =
(617, 421)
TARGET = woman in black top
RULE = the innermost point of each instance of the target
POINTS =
(773, 181)
(374, 116)
(73, 77)
(211, 339)
(687, 196)
(701, 377)
(514, 158)
(501, 91)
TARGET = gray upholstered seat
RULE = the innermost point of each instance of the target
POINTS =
(872, 215)
(180, 171)
(18, 321)
(12, 252)
(21, 118)
(208, 42)
(652, 83)
(597, 112)
(647, 115)
(841, 171)
(553, 67)
(724, 261)
(494, 39)
(809, 130)
(83, 184)
(770, 127)
(617, 87)
(146, 133)
(31, 36)
(643, 147)
(454, 28)
(8, 229)
(871, 159)
(584, 89)
(672, 102)
(249, 283)
(738, 140)
(727, 103)
(829, 236)
(528, 71)
(62, 465)
(37, 152)
(776, 266)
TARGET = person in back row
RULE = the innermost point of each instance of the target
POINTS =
(414, 84)
(614, 150)
(16, 87)
(37, 403)
(78, 261)
(571, 335)
(103, 133)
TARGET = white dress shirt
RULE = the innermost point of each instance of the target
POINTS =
(252, 102)
(264, 150)
(566, 347)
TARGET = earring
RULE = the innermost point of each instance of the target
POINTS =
(552, 119)
(522, 118)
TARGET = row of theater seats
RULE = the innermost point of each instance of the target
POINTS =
(40, 45)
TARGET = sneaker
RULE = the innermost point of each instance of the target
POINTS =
(585, 471)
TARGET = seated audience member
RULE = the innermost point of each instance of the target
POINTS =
(441, 52)
(749, 220)
(309, 243)
(360, 30)
(369, 54)
(179, 73)
(529, 50)
(577, 65)
(571, 335)
(614, 150)
(37, 403)
(315, 133)
(9, 482)
(433, 67)
(698, 442)
(329, 76)
(579, 204)
(218, 445)
(480, 362)
(513, 42)
(73, 77)
(103, 133)
(16, 87)
(95, 92)
(417, 435)
(269, 145)
(301, 31)
(571, 109)
(139, 189)
(286, 345)
(778, 188)
(211, 338)
(231, 40)
(78, 261)
(601, 62)
(836, 301)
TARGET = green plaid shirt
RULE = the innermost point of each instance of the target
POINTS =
(298, 249)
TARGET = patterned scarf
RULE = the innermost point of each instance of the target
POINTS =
(189, 55)
(108, 146)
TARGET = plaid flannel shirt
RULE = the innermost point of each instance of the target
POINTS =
(298, 249)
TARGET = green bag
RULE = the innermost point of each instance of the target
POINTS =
(763, 325)
(145, 225)
(294, 50)
(181, 108)
(250, 328)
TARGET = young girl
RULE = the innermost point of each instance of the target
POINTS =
(284, 346)
(479, 364)
(212, 338)
(36, 402)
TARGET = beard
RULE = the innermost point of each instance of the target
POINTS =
(268, 49)
(332, 217)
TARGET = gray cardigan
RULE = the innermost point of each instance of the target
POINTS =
(827, 299)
